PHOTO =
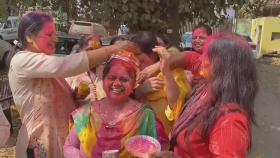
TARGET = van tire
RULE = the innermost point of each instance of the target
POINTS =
(5, 63)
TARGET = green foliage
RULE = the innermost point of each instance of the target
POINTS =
(137, 14)
(253, 8)
(4, 12)
(157, 14)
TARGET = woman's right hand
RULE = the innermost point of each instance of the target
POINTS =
(152, 84)
(163, 154)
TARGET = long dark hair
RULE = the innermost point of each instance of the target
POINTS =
(146, 40)
(233, 79)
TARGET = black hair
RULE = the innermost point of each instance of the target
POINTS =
(146, 40)
(165, 39)
(206, 27)
(115, 39)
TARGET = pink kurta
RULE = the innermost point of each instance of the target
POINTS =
(44, 99)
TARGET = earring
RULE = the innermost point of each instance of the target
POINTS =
(29, 40)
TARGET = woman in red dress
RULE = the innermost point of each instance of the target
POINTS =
(216, 119)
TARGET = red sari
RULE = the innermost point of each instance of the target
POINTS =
(230, 137)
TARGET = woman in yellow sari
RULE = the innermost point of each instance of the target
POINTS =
(158, 91)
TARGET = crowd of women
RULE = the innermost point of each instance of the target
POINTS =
(93, 100)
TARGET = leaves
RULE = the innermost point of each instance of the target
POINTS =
(141, 14)
(253, 8)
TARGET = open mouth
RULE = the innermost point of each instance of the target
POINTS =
(116, 90)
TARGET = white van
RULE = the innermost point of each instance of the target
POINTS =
(87, 28)
(9, 30)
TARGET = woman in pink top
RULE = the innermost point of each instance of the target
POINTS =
(41, 95)
(216, 119)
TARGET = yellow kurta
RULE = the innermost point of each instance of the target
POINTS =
(44, 100)
(159, 104)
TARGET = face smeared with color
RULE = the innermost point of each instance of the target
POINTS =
(118, 84)
(198, 37)
(46, 39)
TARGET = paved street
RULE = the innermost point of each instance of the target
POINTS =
(266, 137)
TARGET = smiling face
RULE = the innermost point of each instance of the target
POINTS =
(118, 84)
(198, 37)
(45, 40)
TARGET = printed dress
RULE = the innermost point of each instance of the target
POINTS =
(90, 136)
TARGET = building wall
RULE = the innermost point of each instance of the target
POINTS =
(243, 26)
(265, 28)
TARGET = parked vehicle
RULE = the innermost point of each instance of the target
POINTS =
(65, 43)
(86, 28)
(5, 48)
(9, 29)
(186, 41)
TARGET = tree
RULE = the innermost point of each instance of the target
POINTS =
(159, 15)
(253, 8)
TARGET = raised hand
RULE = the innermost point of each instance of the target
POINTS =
(164, 58)
(152, 84)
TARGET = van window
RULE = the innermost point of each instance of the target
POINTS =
(83, 23)
(8, 25)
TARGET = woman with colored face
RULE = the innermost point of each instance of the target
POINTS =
(118, 83)
(221, 107)
(161, 91)
(115, 118)
(189, 59)
(41, 95)
(199, 34)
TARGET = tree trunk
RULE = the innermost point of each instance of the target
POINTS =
(173, 21)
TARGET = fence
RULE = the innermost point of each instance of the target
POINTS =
(6, 95)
